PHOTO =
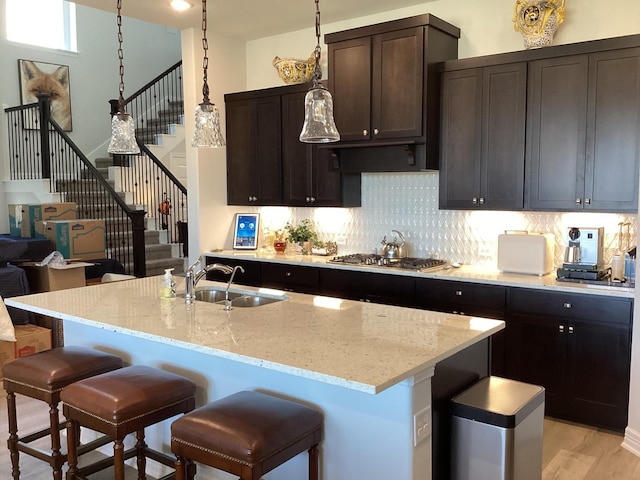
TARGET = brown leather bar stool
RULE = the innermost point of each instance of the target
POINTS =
(246, 434)
(42, 376)
(119, 403)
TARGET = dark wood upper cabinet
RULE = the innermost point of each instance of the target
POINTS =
(309, 178)
(482, 137)
(584, 126)
(254, 158)
(266, 162)
(385, 92)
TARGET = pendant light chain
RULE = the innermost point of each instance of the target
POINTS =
(120, 58)
(317, 71)
(205, 47)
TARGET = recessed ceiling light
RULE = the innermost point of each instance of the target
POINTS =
(180, 5)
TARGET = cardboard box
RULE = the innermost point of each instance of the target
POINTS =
(83, 239)
(30, 339)
(24, 217)
(19, 220)
(49, 211)
(52, 278)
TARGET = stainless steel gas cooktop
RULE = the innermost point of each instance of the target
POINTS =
(409, 263)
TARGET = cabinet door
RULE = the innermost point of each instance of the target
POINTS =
(308, 176)
(296, 156)
(540, 357)
(613, 132)
(599, 360)
(350, 85)
(503, 132)
(397, 84)
(250, 276)
(369, 287)
(240, 119)
(254, 165)
(460, 144)
(556, 132)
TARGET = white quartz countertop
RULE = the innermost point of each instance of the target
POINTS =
(466, 273)
(361, 346)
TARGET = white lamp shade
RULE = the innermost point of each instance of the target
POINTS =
(319, 125)
(123, 135)
(207, 132)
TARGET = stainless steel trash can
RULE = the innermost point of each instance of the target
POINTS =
(497, 431)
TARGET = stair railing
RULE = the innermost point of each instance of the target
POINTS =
(40, 149)
(156, 104)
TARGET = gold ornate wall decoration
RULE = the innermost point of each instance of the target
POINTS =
(538, 20)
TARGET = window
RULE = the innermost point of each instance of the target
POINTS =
(44, 23)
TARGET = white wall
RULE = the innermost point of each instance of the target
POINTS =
(148, 50)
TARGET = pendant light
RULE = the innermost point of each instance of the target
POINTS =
(123, 128)
(207, 132)
(319, 125)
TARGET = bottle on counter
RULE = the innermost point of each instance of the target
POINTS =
(167, 284)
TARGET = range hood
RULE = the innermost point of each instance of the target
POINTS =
(384, 157)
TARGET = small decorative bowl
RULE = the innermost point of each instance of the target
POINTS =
(293, 70)
(279, 246)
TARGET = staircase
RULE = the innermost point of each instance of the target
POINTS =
(159, 253)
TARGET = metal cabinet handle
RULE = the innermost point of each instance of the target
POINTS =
(567, 305)
(287, 274)
(587, 201)
(313, 199)
(253, 199)
(376, 131)
(365, 132)
(474, 200)
(481, 201)
(578, 201)
(561, 328)
(307, 199)
(458, 293)
(570, 330)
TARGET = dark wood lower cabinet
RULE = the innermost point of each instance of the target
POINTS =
(251, 276)
(576, 346)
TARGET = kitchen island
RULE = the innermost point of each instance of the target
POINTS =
(366, 367)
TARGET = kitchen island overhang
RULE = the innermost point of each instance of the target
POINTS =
(367, 367)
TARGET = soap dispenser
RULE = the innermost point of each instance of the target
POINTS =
(168, 285)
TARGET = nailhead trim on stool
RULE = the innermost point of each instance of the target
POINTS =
(246, 434)
(122, 402)
(42, 376)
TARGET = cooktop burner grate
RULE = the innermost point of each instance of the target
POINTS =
(410, 263)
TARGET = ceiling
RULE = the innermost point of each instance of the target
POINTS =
(249, 19)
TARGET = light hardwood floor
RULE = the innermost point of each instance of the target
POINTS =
(570, 451)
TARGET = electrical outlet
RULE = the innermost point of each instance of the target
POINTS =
(421, 426)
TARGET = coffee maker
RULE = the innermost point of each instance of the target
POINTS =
(584, 254)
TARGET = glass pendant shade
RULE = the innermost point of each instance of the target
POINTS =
(123, 135)
(319, 125)
(207, 131)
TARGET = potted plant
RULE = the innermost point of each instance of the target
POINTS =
(302, 235)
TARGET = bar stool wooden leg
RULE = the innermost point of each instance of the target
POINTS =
(72, 445)
(118, 459)
(140, 454)
(12, 442)
(313, 463)
(56, 456)
(180, 468)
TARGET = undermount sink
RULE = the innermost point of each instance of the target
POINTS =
(238, 299)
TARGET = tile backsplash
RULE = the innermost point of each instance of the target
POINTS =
(408, 202)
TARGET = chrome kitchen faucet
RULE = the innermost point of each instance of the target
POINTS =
(195, 272)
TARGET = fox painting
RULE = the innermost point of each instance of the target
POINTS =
(35, 81)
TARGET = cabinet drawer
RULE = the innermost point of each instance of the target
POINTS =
(595, 308)
(291, 277)
(251, 275)
(372, 287)
(465, 295)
